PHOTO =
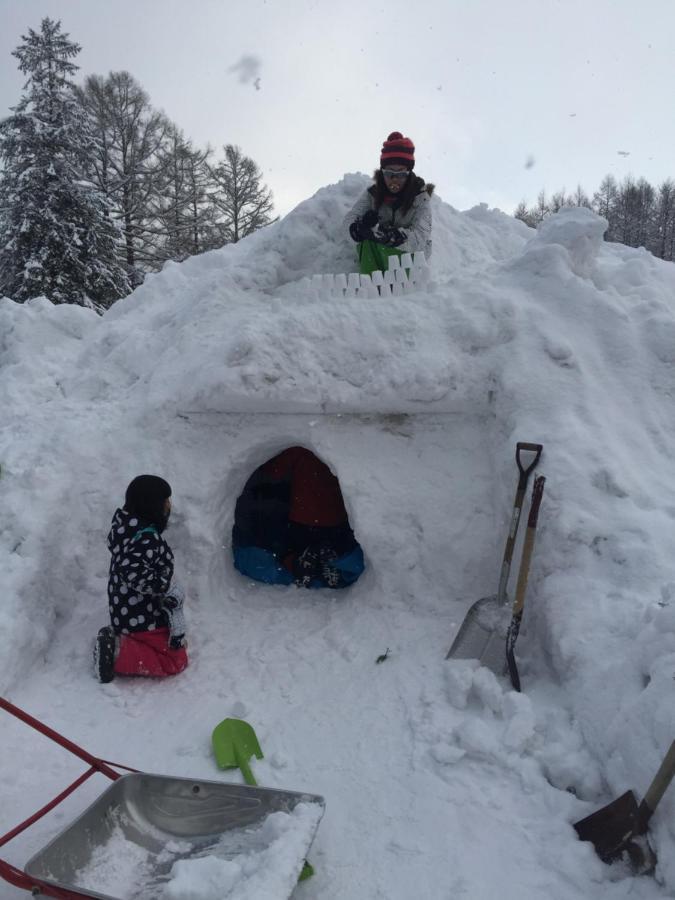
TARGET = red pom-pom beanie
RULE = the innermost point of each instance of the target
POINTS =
(398, 150)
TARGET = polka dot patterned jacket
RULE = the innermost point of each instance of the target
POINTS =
(141, 569)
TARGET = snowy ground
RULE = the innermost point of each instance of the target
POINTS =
(440, 782)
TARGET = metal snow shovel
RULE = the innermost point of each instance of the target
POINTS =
(621, 826)
(234, 742)
(482, 633)
(521, 587)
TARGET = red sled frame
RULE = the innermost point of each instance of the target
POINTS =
(18, 877)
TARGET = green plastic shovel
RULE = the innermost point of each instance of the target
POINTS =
(234, 743)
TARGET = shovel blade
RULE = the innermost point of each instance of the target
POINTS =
(611, 828)
(482, 634)
(234, 742)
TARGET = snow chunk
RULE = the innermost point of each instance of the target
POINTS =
(268, 872)
(261, 862)
(579, 230)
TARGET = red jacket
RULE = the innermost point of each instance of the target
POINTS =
(316, 498)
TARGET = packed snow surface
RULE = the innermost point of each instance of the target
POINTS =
(440, 781)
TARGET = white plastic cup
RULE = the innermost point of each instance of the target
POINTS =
(406, 261)
(340, 282)
(388, 277)
(394, 262)
(399, 275)
(377, 278)
(353, 280)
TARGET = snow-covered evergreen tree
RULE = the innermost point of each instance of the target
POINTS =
(57, 237)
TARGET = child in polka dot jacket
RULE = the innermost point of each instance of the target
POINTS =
(147, 631)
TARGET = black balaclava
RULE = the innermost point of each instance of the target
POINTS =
(145, 498)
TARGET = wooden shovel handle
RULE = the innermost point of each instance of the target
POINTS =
(528, 544)
(656, 790)
(517, 509)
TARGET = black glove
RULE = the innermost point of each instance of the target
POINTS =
(360, 232)
(361, 229)
(390, 237)
(370, 218)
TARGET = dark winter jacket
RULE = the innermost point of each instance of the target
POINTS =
(415, 221)
(141, 569)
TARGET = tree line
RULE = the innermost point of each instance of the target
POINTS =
(638, 214)
(98, 188)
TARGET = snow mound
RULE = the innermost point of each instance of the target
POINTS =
(416, 402)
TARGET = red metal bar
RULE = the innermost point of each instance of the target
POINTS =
(45, 809)
(97, 764)
(19, 879)
(118, 765)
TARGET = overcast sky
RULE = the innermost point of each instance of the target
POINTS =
(501, 97)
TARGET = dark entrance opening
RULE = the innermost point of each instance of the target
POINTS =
(291, 525)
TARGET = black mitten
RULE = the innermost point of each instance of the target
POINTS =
(361, 229)
(370, 218)
(360, 232)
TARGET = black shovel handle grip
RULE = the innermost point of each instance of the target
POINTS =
(525, 470)
(656, 790)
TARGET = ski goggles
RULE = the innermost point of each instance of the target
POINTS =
(395, 173)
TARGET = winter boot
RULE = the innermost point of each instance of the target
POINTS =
(306, 567)
(331, 576)
(104, 655)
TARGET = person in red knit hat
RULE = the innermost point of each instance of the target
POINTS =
(393, 216)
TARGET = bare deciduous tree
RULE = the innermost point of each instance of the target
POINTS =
(183, 206)
(243, 203)
(637, 214)
(664, 221)
(129, 164)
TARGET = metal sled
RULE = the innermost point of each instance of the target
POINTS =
(150, 822)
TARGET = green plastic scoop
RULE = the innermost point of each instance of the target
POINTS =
(234, 743)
